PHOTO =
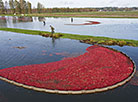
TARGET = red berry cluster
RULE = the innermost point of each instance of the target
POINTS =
(97, 68)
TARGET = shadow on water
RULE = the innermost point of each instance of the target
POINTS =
(18, 94)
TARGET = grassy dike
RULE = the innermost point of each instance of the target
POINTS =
(82, 38)
(95, 14)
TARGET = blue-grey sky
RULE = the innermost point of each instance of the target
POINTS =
(86, 3)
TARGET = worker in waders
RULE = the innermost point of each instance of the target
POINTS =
(52, 29)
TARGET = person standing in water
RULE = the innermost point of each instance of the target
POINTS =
(71, 19)
(52, 32)
(44, 22)
(52, 29)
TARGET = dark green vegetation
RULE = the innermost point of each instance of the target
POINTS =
(82, 38)
(109, 14)
(24, 7)
(56, 35)
(96, 14)
(15, 7)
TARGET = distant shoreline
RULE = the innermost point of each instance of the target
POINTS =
(102, 14)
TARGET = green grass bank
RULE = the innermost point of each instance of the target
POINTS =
(82, 38)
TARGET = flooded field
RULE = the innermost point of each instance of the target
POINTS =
(21, 49)
(108, 27)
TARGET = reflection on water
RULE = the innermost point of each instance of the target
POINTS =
(41, 50)
(3, 22)
(53, 41)
(108, 27)
(17, 49)
(134, 81)
(14, 20)
(25, 19)
(10, 21)
(41, 19)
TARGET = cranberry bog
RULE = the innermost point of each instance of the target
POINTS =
(88, 23)
(99, 69)
(40, 50)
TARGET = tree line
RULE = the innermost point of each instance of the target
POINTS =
(64, 10)
(25, 7)
(18, 7)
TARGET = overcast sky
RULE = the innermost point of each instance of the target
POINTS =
(85, 3)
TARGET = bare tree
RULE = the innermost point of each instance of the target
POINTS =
(17, 7)
(23, 6)
(2, 9)
(12, 7)
(29, 6)
(39, 7)
(6, 6)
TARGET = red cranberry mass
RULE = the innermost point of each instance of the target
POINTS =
(98, 68)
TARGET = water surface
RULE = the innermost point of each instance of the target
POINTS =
(43, 50)
(110, 27)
